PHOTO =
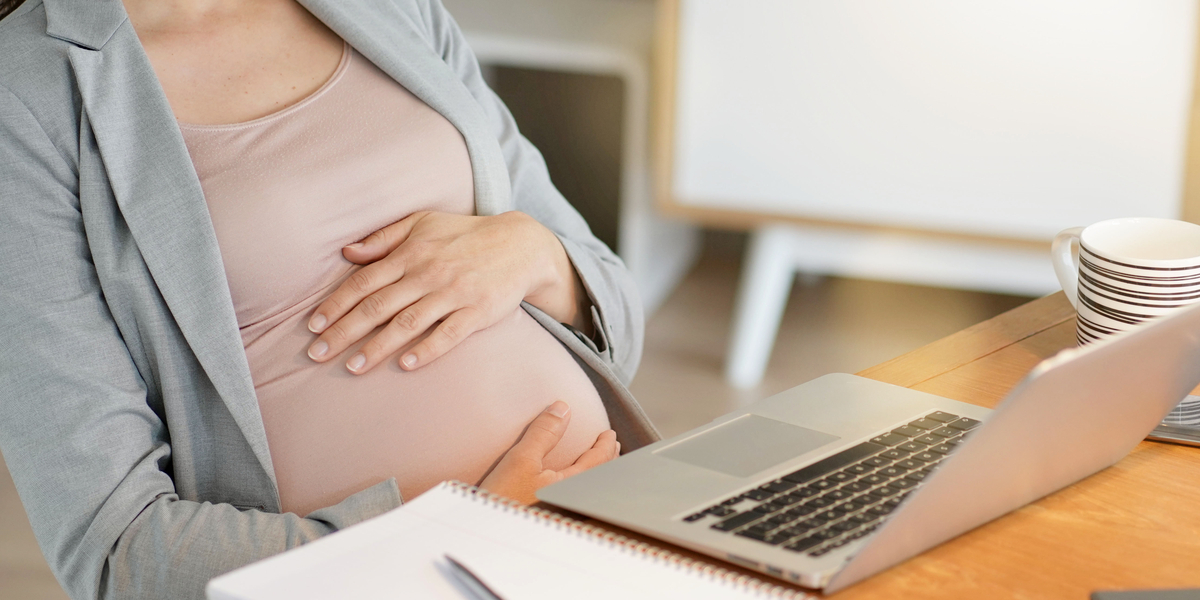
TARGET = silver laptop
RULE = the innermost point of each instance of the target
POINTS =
(835, 480)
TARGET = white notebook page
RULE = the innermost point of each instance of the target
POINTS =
(518, 554)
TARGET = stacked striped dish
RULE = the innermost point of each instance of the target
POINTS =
(1115, 296)
(1130, 271)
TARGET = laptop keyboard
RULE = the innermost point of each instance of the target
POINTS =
(844, 497)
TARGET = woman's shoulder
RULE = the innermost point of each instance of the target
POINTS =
(36, 76)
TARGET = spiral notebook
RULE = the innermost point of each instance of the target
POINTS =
(521, 553)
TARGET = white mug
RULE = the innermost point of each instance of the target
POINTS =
(1122, 272)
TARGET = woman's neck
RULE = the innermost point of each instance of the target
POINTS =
(228, 61)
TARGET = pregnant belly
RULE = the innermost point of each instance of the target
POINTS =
(332, 434)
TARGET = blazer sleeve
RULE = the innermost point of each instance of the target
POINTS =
(89, 454)
(617, 315)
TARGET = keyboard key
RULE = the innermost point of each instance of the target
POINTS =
(852, 506)
(859, 469)
(874, 479)
(942, 449)
(925, 423)
(825, 534)
(779, 519)
(798, 529)
(881, 510)
(805, 492)
(907, 431)
(838, 494)
(803, 544)
(841, 477)
(917, 476)
(910, 464)
(864, 518)
(896, 454)
(857, 486)
(721, 511)
(930, 439)
(943, 417)
(779, 486)
(823, 484)
(820, 502)
(800, 511)
(945, 432)
(787, 500)
(823, 517)
(884, 492)
(893, 471)
(889, 439)
(902, 483)
(754, 535)
(837, 461)
(927, 457)
(760, 527)
(845, 526)
(964, 424)
(765, 509)
(810, 524)
(912, 446)
(737, 521)
(777, 538)
(877, 461)
(759, 494)
(695, 517)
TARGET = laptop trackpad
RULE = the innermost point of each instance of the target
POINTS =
(746, 445)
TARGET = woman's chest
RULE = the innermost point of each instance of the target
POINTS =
(287, 192)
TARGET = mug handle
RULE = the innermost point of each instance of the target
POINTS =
(1064, 254)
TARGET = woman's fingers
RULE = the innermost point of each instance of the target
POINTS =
(605, 449)
(376, 249)
(448, 334)
(372, 312)
(382, 242)
(543, 433)
(359, 286)
(402, 330)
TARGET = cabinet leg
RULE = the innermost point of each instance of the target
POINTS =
(766, 282)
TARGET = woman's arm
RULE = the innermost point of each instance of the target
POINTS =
(619, 319)
(612, 320)
(83, 434)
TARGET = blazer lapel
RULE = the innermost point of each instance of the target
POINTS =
(390, 39)
(159, 195)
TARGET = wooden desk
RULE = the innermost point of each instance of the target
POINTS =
(1135, 525)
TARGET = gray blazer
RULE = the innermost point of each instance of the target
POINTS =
(130, 422)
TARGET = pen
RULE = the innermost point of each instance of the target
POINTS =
(468, 579)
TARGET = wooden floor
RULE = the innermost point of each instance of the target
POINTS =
(830, 325)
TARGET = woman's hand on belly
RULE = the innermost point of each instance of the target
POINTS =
(520, 472)
(467, 272)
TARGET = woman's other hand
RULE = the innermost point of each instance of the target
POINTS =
(466, 272)
(520, 472)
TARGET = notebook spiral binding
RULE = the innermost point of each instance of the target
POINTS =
(625, 544)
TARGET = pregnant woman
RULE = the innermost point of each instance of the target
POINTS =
(269, 268)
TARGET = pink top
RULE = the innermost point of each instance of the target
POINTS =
(286, 192)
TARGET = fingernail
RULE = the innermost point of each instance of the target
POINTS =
(355, 246)
(559, 409)
(317, 323)
(318, 350)
(356, 362)
(409, 360)
(618, 448)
